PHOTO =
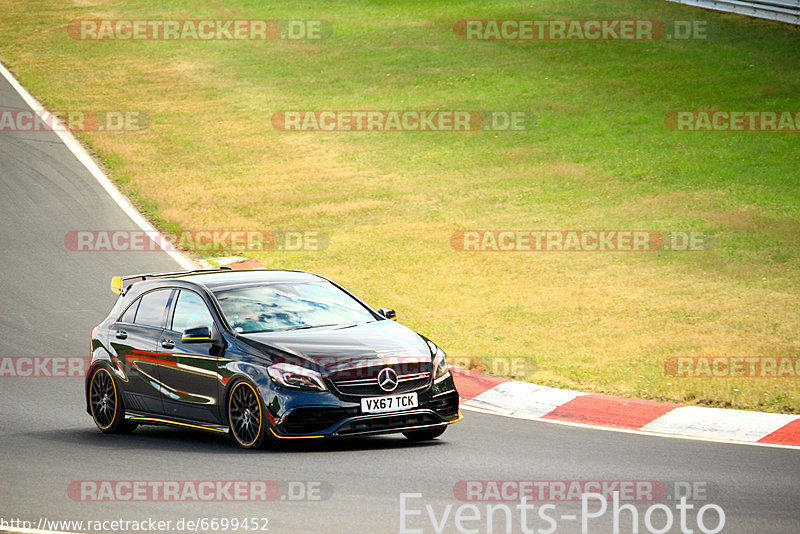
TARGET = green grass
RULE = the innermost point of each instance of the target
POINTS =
(599, 157)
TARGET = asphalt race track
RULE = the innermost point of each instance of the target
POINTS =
(52, 297)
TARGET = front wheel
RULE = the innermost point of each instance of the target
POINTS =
(245, 416)
(107, 408)
(425, 435)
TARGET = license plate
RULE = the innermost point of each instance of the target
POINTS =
(389, 404)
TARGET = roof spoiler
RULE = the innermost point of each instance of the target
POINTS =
(120, 284)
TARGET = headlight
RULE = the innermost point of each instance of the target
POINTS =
(294, 376)
(440, 369)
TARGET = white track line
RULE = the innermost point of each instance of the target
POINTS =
(466, 406)
(74, 146)
(87, 161)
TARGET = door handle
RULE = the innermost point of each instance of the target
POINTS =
(121, 334)
(168, 344)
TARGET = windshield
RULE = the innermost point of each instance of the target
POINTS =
(290, 306)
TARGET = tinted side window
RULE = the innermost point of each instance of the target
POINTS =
(152, 307)
(191, 312)
(130, 313)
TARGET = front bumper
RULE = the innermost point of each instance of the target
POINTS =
(328, 415)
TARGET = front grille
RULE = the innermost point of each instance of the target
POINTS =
(368, 387)
(309, 420)
(380, 423)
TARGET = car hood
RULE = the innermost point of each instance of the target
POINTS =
(333, 349)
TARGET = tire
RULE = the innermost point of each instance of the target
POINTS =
(245, 416)
(107, 408)
(425, 435)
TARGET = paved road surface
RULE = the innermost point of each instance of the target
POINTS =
(52, 297)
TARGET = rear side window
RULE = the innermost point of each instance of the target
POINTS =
(152, 308)
(130, 313)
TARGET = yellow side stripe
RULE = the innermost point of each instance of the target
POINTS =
(457, 419)
(293, 437)
(156, 420)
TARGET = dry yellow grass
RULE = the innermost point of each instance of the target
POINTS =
(600, 322)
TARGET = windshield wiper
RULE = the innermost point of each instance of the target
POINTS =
(307, 326)
(304, 327)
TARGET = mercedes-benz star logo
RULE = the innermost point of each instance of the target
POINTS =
(387, 379)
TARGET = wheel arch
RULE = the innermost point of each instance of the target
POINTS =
(259, 380)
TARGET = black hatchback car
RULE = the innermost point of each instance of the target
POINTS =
(263, 355)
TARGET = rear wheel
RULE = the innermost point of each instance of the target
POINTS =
(245, 416)
(106, 406)
(425, 435)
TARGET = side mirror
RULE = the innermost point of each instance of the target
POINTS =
(199, 334)
(388, 313)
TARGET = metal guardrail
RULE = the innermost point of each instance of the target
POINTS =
(779, 10)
